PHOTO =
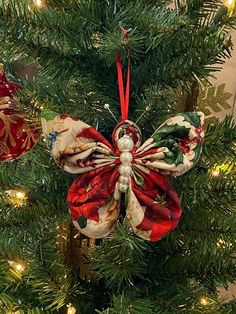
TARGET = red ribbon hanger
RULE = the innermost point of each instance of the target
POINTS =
(124, 95)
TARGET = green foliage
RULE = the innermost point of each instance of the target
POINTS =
(121, 260)
(74, 44)
(124, 304)
(220, 141)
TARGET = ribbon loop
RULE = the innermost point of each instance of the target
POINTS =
(124, 95)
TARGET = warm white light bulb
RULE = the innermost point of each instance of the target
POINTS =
(230, 4)
(215, 173)
(16, 198)
(39, 3)
(19, 267)
(204, 301)
(20, 195)
(71, 310)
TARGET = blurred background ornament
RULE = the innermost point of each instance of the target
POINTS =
(17, 135)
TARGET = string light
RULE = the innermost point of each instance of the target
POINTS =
(17, 198)
(71, 309)
(17, 266)
(215, 173)
(230, 4)
(39, 3)
(223, 169)
(204, 301)
(20, 195)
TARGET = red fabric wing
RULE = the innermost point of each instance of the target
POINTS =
(94, 135)
(158, 205)
(92, 205)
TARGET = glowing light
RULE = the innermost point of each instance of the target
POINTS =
(204, 301)
(16, 198)
(39, 3)
(230, 4)
(215, 173)
(20, 195)
(222, 169)
(17, 266)
(71, 309)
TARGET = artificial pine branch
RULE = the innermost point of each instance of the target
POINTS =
(74, 44)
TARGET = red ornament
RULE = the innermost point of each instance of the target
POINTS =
(17, 136)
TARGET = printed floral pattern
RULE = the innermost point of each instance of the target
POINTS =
(17, 136)
(153, 207)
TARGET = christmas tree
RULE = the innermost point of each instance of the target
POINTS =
(46, 265)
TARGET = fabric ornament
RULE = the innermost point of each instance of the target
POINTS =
(17, 136)
(126, 166)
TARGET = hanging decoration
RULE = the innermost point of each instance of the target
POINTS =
(17, 135)
(125, 166)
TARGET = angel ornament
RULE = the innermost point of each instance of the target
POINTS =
(126, 166)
